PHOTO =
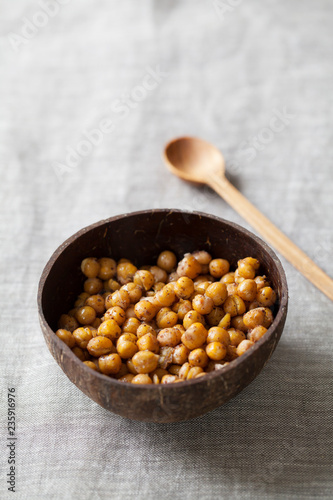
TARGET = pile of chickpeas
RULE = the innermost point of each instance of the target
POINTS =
(169, 322)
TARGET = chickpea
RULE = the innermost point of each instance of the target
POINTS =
(251, 262)
(130, 312)
(198, 357)
(167, 261)
(246, 270)
(236, 336)
(165, 297)
(216, 351)
(117, 314)
(194, 372)
(231, 353)
(192, 317)
(157, 287)
(66, 336)
(96, 302)
(112, 285)
(67, 322)
(244, 346)
(131, 325)
(86, 315)
(183, 372)
(184, 287)
(266, 296)
(91, 365)
(148, 342)
(110, 329)
(180, 354)
(93, 286)
(144, 278)
(142, 378)
(232, 289)
(180, 329)
(189, 266)
(159, 274)
(182, 307)
(219, 267)
(80, 301)
(127, 378)
(217, 292)
(238, 323)
(145, 361)
(82, 336)
(165, 358)
(110, 364)
(168, 337)
(126, 349)
(125, 272)
(108, 268)
(195, 336)
(159, 372)
(261, 281)
(238, 277)
(225, 321)
(247, 290)
(131, 337)
(80, 353)
(202, 304)
(256, 334)
(201, 287)
(131, 368)
(234, 305)
(173, 277)
(145, 310)
(121, 299)
(134, 291)
(215, 316)
(203, 278)
(260, 316)
(174, 369)
(253, 305)
(217, 334)
(166, 318)
(169, 379)
(99, 346)
(202, 257)
(228, 278)
(143, 329)
(90, 267)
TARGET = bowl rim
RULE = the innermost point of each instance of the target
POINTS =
(232, 365)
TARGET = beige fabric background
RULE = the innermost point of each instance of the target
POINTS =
(222, 71)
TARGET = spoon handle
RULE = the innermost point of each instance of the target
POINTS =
(272, 234)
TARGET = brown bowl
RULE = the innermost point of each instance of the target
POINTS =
(140, 236)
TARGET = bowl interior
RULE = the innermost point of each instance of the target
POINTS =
(140, 237)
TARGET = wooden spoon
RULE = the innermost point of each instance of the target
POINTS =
(199, 161)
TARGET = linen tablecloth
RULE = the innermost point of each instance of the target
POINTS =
(90, 92)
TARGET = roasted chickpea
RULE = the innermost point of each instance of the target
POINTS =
(244, 346)
(261, 316)
(166, 296)
(110, 364)
(228, 278)
(182, 307)
(246, 270)
(251, 262)
(159, 274)
(80, 353)
(82, 336)
(159, 372)
(134, 291)
(142, 378)
(180, 354)
(85, 315)
(238, 323)
(166, 318)
(81, 300)
(91, 365)
(225, 321)
(247, 290)
(145, 361)
(165, 358)
(113, 285)
(256, 334)
(110, 329)
(67, 322)
(266, 296)
(198, 357)
(232, 289)
(219, 267)
(90, 267)
(93, 286)
(148, 342)
(238, 277)
(125, 272)
(194, 372)
(202, 304)
(236, 336)
(130, 312)
(66, 336)
(168, 337)
(96, 302)
(167, 261)
(189, 266)
(215, 316)
(145, 310)
(169, 379)
(195, 336)
(174, 369)
(131, 325)
(143, 329)
(192, 317)
(217, 292)
(127, 378)
(183, 372)
(201, 287)
(126, 348)
(217, 334)
(99, 346)
(144, 278)
(108, 268)
(234, 305)
(216, 351)
(131, 368)
(117, 313)
(184, 287)
(261, 282)
(121, 299)
(202, 257)
(231, 353)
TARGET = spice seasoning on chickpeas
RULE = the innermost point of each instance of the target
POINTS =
(168, 322)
